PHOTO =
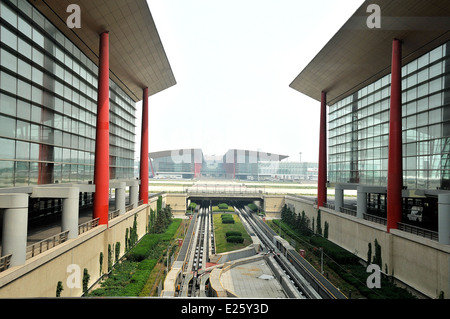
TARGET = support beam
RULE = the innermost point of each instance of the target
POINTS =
(322, 178)
(395, 169)
(444, 218)
(120, 197)
(338, 198)
(143, 174)
(15, 224)
(70, 205)
(134, 193)
(101, 165)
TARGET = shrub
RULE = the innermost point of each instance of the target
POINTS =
(233, 233)
(226, 216)
(338, 254)
(223, 206)
(253, 207)
(227, 221)
(235, 239)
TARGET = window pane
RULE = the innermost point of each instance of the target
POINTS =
(21, 173)
(9, 83)
(7, 127)
(7, 151)
(22, 150)
(7, 104)
(6, 173)
(8, 60)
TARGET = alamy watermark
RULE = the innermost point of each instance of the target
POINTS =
(74, 278)
(74, 19)
(374, 19)
(374, 279)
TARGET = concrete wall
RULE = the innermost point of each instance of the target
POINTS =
(40, 274)
(273, 204)
(177, 201)
(420, 263)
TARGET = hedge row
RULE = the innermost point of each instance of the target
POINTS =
(148, 243)
(233, 233)
(235, 239)
(223, 206)
(129, 277)
(227, 219)
(341, 256)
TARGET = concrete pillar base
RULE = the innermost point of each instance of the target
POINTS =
(444, 218)
(15, 224)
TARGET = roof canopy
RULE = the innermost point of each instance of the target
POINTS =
(358, 55)
(137, 57)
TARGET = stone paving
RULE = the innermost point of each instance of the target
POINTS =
(252, 280)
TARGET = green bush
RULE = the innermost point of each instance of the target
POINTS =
(253, 207)
(143, 250)
(226, 216)
(235, 239)
(233, 233)
(223, 206)
(130, 276)
(227, 221)
(338, 254)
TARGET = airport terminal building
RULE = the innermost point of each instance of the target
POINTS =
(234, 164)
(69, 85)
(385, 94)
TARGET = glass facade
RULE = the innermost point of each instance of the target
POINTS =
(359, 127)
(48, 103)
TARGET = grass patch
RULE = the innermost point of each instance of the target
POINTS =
(218, 209)
(221, 230)
(129, 277)
(341, 267)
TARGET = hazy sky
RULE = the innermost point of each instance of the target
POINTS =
(233, 61)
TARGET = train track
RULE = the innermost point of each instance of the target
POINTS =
(306, 280)
(198, 254)
(310, 282)
(268, 246)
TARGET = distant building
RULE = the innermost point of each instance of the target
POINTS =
(234, 164)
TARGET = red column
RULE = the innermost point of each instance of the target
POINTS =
(143, 190)
(322, 178)
(395, 169)
(101, 165)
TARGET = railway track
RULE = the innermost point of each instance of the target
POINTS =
(310, 282)
(305, 281)
(198, 254)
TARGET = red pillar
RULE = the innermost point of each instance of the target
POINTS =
(101, 165)
(395, 169)
(322, 178)
(143, 190)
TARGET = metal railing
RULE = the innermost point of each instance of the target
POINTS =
(348, 211)
(46, 244)
(4, 262)
(426, 233)
(88, 225)
(113, 214)
(375, 219)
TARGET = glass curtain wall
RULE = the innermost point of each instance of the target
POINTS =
(48, 102)
(359, 127)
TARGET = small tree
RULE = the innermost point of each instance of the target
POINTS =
(117, 251)
(377, 258)
(59, 288)
(86, 278)
(101, 262)
(319, 221)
